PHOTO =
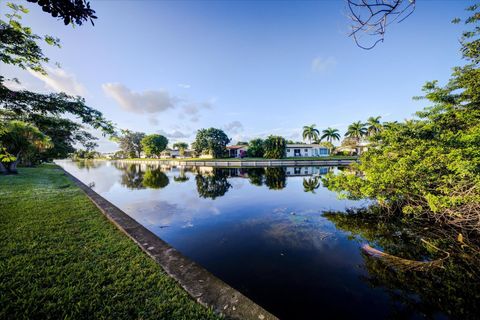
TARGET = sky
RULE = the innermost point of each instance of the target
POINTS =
(251, 68)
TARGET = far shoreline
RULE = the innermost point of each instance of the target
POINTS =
(245, 162)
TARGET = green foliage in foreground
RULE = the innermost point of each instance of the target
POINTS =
(431, 164)
(61, 258)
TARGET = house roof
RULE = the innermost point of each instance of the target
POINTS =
(298, 145)
(237, 147)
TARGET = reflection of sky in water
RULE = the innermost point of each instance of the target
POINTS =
(273, 245)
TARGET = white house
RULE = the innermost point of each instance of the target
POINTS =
(306, 150)
(169, 153)
(238, 151)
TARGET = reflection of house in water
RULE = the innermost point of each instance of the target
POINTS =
(236, 172)
(306, 171)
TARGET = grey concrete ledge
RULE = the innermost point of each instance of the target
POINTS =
(243, 164)
(204, 287)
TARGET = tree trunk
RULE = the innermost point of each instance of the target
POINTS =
(12, 167)
(9, 168)
(3, 170)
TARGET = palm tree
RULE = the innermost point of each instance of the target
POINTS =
(310, 133)
(390, 125)
(181, 146)
(330, 134)
(374, 125)
(20, 141)
(356, 130)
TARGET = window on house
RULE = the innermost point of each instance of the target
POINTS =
(306, 150)
(288, 150)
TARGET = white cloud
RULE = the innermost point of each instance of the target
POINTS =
(192, 110)
(320, 64)
(150, 101)
(184, 85)
(233, 127)
(153, 121)
(61, 81)
(176, 134)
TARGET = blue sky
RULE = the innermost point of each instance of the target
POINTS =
(252, 68)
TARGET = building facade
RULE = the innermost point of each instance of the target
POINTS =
(239, 151)
(305, 150)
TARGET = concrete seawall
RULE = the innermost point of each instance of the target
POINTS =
(203, 286)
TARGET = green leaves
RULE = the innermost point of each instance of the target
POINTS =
(429, 165)
(154, 144)
(6, 157)
(19, 46)
(211, 141)
(274, 147)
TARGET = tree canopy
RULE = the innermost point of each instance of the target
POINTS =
(131, 143)
(310, 133)
(429, 165)
(153, 144)
(330, 134)
(256, 148)
(181, 146)
(211, 141)
(22, 140)
(274, 147)
(50, 113)
(70, 11)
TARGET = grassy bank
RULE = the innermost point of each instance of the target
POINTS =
(61, 258)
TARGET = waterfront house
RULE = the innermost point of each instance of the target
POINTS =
(169, 153)
(306, 150)
(237, 151)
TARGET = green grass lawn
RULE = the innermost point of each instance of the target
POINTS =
(61, 258)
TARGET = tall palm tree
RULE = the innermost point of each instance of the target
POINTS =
(389, 125)
(310, 133)
(330, 134)
(356, 130)
(373, 125)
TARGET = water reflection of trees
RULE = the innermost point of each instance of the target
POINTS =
(311, 184)
(132, 175)
(135, 177)
(88, 164)
(275, 178)
(213, 185)
(211, 182)
(182, 177)
(256, 176)
(155, 179)
(454, 288)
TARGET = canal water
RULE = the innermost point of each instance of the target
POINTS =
(286, 242)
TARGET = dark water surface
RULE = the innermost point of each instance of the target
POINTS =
(283, 240)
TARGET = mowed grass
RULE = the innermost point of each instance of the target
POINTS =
(61, 258)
